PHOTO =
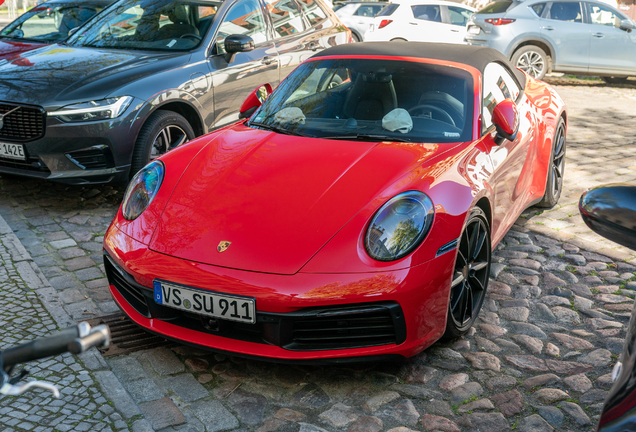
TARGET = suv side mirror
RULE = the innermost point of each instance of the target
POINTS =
(235, 44)
(628, 25)
(254, 100)
(610, 211)
(506, 119)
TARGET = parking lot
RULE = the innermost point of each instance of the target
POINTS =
(539, 359)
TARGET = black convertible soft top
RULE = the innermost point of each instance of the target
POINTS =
(475, 56)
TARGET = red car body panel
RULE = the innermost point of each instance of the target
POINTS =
(296, 216)
(11, 51)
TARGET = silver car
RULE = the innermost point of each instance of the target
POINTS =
(582, 37)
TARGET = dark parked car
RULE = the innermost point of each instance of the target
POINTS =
(144, 76)
(610, 211)
(45, 24)
(582, 37)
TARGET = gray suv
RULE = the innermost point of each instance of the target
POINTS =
(582, 37)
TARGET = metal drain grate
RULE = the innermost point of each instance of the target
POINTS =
(127, 336)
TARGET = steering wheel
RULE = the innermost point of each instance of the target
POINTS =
(192, 35)
(432, 108)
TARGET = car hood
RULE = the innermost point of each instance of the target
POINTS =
(56, 75)
(275, 199)
(10, 50)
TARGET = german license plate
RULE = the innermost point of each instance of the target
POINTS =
(12, 151)
(474, 30)
(224, 306)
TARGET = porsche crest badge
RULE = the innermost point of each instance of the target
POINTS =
(222, 247)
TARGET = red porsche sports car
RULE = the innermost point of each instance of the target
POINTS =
(351, 217)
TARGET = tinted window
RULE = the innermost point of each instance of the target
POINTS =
(496, 7)
(427, 12)
(604, 16)
(286, 16)
(313, 11)
(498, 85)
(566, 11)
(388, 9)
(374, 100)
(368, 10)
(245, 18)
(458, 15)
(166, 25)
(52, 22)
(538, 8)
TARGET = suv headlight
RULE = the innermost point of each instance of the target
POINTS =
(94, 110)
(399, 226)
(142, 190)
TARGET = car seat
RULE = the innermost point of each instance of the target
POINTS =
(371, 97)
(445, 101)
(180, 24)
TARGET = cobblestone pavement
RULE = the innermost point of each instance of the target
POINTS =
(539, 357)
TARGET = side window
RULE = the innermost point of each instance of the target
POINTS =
(566, 11)
(315, 15)
(427, 12)
(286, 17)
(458, 15)
(245, 18)
(538, 8)
(367, 10)
(602, 15)
(498, 85)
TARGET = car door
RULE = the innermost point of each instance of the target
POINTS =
(363, 17)
(569, 35)
(427, 24)
(234, 81)
(612, 49)
(507, 157)
(456, 17)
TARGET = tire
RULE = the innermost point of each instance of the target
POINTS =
(531, 59)
(554, 181)
(356, 38)
(614, 80)
(150, 143)
(470, 276)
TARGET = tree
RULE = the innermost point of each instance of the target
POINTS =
(403, 236)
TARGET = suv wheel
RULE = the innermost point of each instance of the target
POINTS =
(163, 131)
(532, 60)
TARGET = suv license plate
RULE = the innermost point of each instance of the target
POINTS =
(12, 151)
(474, 30)
(203, 302)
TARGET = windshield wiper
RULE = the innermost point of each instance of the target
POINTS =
(367, 137)
(279, 130)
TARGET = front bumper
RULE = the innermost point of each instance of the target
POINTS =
(360, 315)
(80, 153)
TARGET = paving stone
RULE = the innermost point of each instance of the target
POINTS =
(552, 300)
(186, 387)
(552, 350)
(534, 345)
(164, 361)
(438, 423)
(420, 374)
(114, 391)
(450, 382)
(366, 424)
(439, 408)
(576, 412)
(289, 415)
(372, 404)
(61, 244)
(550, 395)
(567, 316)
(579, 383)
(464, 392)
(528, 330)
(484, 344)
(340, 415)
(572, 342)
(162, 413)
(197, 364)
(501, 383)
(597, 358)
(527, 362)
(406, 413)
(614, 344)
(509, 403)
(593, 396)
(533, 423)
(515, 313)
(491, 422)
(478, 405)
(567, 367)
(553, 415)
(143, 390)
(483, 361)
(214, 416)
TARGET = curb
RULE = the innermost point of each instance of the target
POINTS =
(93, 360)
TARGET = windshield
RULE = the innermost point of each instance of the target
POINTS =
(495, 7)
(51, 22)
(372, 100)
(165, 25)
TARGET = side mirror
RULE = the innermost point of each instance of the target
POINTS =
(72, 31)
(628, 25)
(254, 100)
(235, 44)
(610, 211)
(506, 119)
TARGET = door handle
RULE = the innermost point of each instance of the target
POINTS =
(549, 28)
(412, 23)
(267, 60)
(599, 35)
(455, 31)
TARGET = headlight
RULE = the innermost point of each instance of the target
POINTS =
(94, 110)
(142, 190)
(399, 226)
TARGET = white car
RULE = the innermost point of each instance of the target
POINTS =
(422, 21)
(358, 16)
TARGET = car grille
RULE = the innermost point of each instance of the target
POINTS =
(310, 329)
(31, 164)
(26, 123)
(97, 157)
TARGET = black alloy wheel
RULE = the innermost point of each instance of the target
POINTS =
(554, 182)
(470, 276)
